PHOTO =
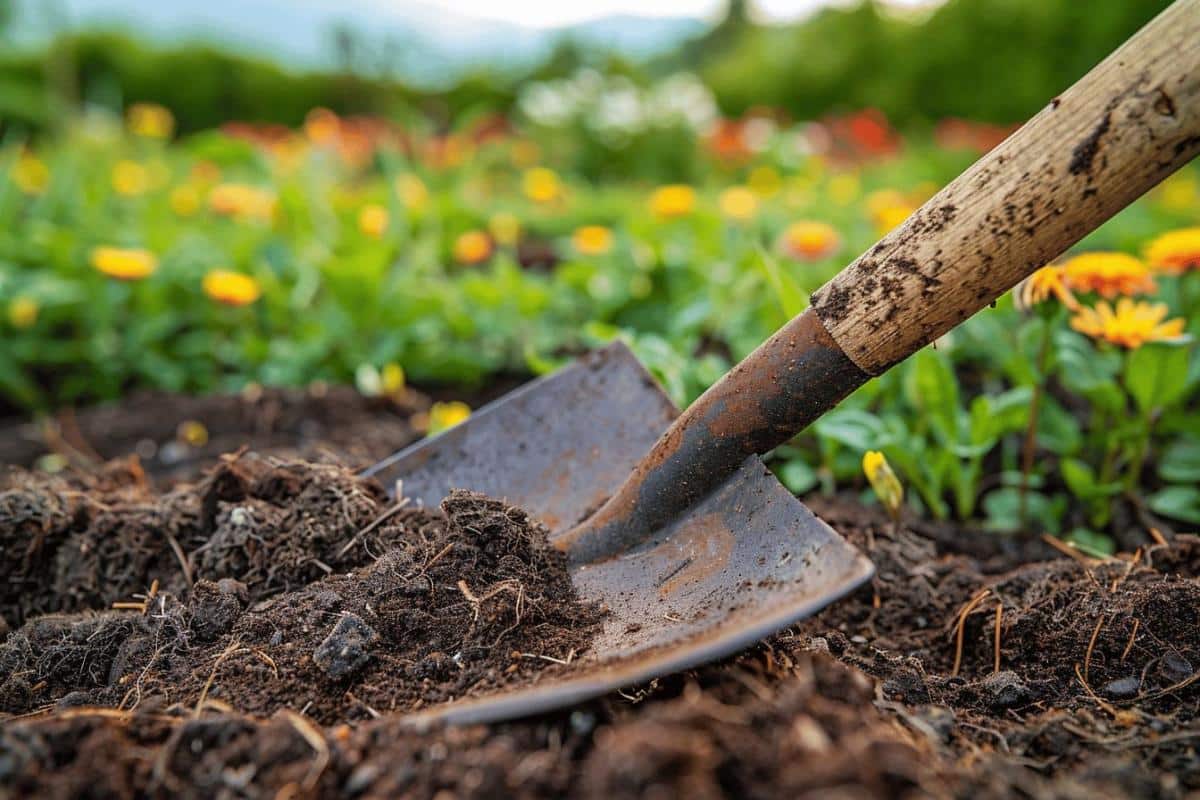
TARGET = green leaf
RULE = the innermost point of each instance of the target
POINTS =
(791, 298)
(1080, 478)
(1156, 375)
(1091, 543)
(797, 476)
(1177, 502)
(932, 388)
(1180, 461)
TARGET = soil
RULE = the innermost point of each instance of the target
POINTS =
(972, 666)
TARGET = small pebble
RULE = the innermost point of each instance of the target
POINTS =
(1121, 688)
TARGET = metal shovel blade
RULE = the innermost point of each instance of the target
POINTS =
(745, 562)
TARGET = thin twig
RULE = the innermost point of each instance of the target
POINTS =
(378, 521)
(1087, 659)
(212, 676)
(999, 618)
(316, 741)
(962, 622)
(1132, 636)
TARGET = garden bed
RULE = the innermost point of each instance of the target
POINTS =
(971, 665)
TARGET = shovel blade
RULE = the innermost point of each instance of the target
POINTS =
(746, 561)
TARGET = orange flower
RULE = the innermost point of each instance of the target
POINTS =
(673, 201)
(1175, 252)
(592, 240)
(242, 201)
(1130, 325)
(231, 288)
(1109, 274)
(1039, 286)
(373, 220)
(810, 241)
(472, 247)
(125, 264)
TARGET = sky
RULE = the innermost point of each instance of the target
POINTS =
(554, 13)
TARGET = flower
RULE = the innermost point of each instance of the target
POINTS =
(391, 378)
(885, 483)
(1130, 325)
(843, 189)
(888, 208)
(810, 241)
(1175, 251)
(1108, 274)
(443, 416)
(411, 191)
(31, 175)
(150, 120)
(322, 126)
(673, 201)
(125, 264)
(472, 247)
(242, 201)
(231, 288)
(765, 181)
(129, 178)
(23, 312)
(505, 228)
(1040, 285)
(592, 240)
(185, 200)
(541, 185)
(192, 433)
(739, 203)
(373, 220)
(1179, 192)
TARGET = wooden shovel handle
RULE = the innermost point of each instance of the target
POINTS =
(1126, 125)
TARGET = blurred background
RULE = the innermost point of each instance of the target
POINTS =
(271, 61)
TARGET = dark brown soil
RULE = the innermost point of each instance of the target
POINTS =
(1095, 695)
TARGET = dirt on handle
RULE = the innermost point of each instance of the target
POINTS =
(447, 603)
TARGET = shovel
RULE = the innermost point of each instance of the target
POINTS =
(671, 520)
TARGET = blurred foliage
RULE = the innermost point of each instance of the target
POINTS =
(986, 60)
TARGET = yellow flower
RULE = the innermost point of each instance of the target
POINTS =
(738, 202)
(1175, 252)
(31, 175)
(1130, 325)
(810, 241)
(391, 379)
(541, 185)
(592, 240)
(231, 288)
(673, 201)
(373, 220)
(1109, 274)
(242, 201)
(843, 189)
(150, 120)
(885, 483)
(472, 247)
(505, 228)
(765, 181)
(412, 192)
(322, 126)
(185, 200)
(443, 416)
(126, 264)
(1039, 286)
(23, 312)
(1179, 192)
(129, 178)
(192, 433)
(888, 208)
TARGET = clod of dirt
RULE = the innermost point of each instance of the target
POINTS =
(347, 648)
(467, 599)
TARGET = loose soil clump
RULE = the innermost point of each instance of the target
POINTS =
(447, 603)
